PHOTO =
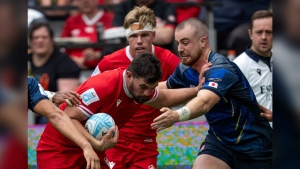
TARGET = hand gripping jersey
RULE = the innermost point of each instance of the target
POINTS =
(235, 120)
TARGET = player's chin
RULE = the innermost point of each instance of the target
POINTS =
(141, 99)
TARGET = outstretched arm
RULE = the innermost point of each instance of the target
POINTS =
(200, 105)
(174, 97)
(62, 122)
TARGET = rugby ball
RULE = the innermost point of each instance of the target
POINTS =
(99, 124)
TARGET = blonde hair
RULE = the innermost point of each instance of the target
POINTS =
(143, 15)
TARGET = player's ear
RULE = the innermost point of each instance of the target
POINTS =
(128, 74)
(250, 33)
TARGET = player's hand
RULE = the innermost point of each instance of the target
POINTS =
(109, 140)
(91, 54)
(91, 158)
(71, 98)
(204, 68)
(266, 113)
(165, 120)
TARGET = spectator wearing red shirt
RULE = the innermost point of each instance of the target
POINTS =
(84, 25)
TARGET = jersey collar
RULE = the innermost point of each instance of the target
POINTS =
(125, 87)
(211, 54)
(129, 55)
(94, 20)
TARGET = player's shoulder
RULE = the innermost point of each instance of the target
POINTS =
(219, 61)
(104, 82)
(31, 81)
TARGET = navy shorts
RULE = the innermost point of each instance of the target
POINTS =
(235, 159)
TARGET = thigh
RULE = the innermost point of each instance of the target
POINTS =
(205, 161)
(213, 154)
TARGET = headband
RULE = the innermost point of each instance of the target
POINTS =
(136, 27)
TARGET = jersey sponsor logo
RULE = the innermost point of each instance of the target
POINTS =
(258, 71)
(118, 102)
(213, 84)
(215, 79)
(267, 90)
(89, 96)
(110, 164)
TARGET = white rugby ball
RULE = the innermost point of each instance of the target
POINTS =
(99, 124)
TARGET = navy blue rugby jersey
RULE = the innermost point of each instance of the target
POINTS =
(36, 93)
(235, 120)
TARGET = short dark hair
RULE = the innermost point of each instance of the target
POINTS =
(36, 25)
(200, 28)
(259, 15)
(146, 66)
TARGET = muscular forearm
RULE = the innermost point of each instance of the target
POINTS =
(201, 104)
(173, 97)
(88, 136)
(62, 122)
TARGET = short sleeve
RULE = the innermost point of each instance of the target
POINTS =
(36, 93)
(219, 81)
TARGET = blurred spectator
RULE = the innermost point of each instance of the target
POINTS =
(55, 14)
(286, 84)
(165, 19)
(84, 25)
(184, 13)
(109, 1)
(256, 61)
(231, 20)
(54, 70)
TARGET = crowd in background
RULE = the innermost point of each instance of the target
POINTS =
(59, 69)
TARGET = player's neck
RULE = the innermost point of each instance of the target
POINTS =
(202, 60)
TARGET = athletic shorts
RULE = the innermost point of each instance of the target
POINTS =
(61, 157)
(133, 155)
(235, 159)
